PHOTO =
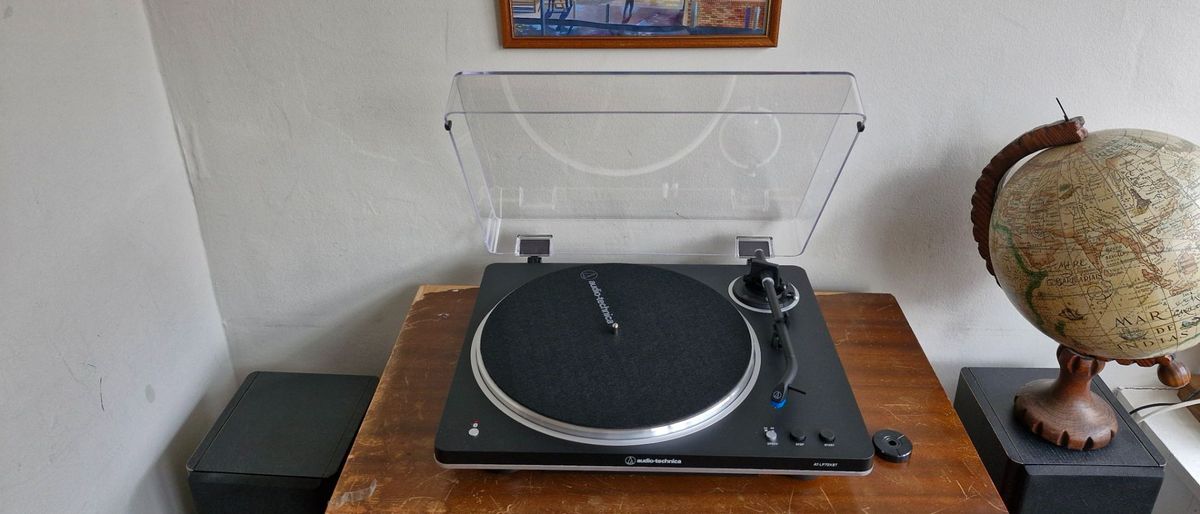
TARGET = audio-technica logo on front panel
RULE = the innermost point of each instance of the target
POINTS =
(653, 461)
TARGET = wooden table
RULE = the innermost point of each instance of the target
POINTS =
(391, 466)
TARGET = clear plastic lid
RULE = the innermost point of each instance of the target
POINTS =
(651, 163)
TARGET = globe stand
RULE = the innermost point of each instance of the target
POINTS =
(1065, 411)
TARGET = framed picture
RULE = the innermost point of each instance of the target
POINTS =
(638, 23)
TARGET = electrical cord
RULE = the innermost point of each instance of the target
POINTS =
(1174, 406)
(1150, 406)
(1192, 398)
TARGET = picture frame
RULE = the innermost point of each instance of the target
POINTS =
(638, 23)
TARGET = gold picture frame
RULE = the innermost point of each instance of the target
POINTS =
(638, 23)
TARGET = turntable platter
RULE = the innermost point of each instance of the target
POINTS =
(615, 354)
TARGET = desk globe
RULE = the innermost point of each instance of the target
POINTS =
(1096, 241)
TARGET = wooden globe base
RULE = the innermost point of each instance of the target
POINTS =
(1065, 411)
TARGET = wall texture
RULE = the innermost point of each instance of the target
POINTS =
(327, 189)
(113, 362)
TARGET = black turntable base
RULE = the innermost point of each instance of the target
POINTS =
(646, 368)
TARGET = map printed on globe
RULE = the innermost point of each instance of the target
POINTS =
(1098, 243)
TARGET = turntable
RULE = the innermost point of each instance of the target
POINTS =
(656, 366)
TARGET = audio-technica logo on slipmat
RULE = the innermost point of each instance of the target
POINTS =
(590, 277)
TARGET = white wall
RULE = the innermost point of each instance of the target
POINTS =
(113, 362)
(327, 190)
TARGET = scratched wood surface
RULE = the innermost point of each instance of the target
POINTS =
(391, 466)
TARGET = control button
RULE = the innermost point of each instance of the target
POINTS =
(797, 436)
(827, 435)
(771, 435)
(473, 432)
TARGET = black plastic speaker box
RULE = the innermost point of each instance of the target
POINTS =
(280, 444)
(1035, 476)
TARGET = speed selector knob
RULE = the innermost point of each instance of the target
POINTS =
(827, 435)
(771, 435)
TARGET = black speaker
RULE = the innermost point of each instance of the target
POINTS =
(280, 444)
(1036, 476)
